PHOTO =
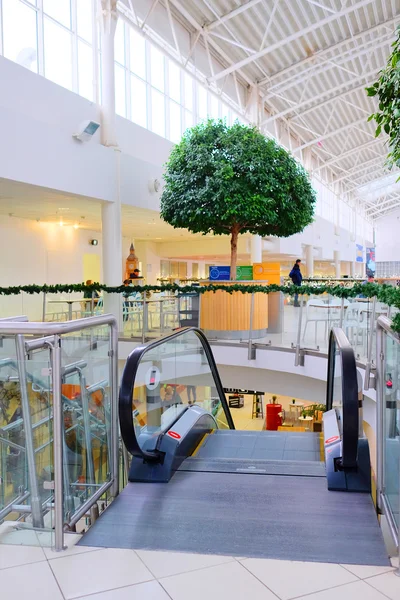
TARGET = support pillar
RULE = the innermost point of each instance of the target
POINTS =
(256, 249)
(111, 211)
(353, 268)
(336, 258)
(310, 260)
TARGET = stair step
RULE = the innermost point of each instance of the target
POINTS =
(255, 466)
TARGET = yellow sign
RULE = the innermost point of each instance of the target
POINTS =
(270, 272)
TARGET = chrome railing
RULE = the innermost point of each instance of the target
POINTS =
(40, 361)
(388, 426)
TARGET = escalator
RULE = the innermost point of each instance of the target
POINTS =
(198, 485)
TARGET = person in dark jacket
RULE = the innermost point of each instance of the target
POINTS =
(296, 276)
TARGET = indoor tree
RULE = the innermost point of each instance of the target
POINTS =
(387, 88)
(232, 180)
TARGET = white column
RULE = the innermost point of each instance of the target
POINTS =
(202, 270)
(353, 268)
(111, 211)
(336, 258)
(256, 249)
(310, 260)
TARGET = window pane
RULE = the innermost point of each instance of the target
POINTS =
(214, 107)
(175, 132)
(137, 52)
(85, 70)
(60, 10)
(119, 43)
(57, 54)
(84, 19)
(225, 112)
(157, 69)
(157, 112)
(19, 34)
(120, 94)
(188, 82)
(202, 102)
(174, 75)
(188, 120)
(138, 101)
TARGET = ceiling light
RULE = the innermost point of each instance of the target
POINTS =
(76, 226)
(61, 224)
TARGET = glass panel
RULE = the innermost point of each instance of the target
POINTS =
(188, 119)
(157, 68)
(60, 10)
(84, 19)
(86, 395)
(183, 377)
(392, 426)
(120, 93)
(202, 103)
(174, 75)
(157, 112)
(225, 112)
(138, 101)
(214, 107)
(188, 85)
(174, 122)
(119, 43)
(19, 34)
(85, 70)
(137, 50)
(57, 54)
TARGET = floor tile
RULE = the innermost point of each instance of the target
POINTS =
(151, 590)
(18, 537)
(289, 579)
(12, 556)
(364, 571)
(388, 584)
(92, 572)
(70, 541)
(29, 581)
(230, 580)
(164, 564)
(358, 590)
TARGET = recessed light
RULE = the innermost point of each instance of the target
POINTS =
(61, 224)
(76, 226)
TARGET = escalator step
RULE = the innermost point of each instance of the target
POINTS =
(255, 467)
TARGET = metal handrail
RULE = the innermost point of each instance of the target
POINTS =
(128, 381)
(350, 409)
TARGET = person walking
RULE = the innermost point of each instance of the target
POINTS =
(296, 277)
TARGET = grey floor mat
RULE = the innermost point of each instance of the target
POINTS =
(267, 445)
(253, 466)
(292, 518)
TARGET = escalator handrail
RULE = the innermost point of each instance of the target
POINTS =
(128, 381)
(350, 409)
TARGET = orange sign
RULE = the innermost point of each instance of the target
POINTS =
(270, 272)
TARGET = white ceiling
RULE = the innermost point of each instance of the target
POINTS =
(311, 61)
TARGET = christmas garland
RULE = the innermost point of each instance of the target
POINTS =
(384, 293)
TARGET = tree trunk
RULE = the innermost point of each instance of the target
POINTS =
(234, 239)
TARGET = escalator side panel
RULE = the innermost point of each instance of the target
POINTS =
(177, 444)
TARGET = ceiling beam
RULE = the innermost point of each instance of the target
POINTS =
(339, 90)
(298, 34)
(383, 206)
(231, 14)
(346, 154)
(362, 167)
(314, 57)
(327, 136)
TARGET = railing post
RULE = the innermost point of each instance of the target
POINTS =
(144, 318)
(297, 355)
(37, 513)
(58, 434)
(341, 314)
(114, 466)
(251, 355)
(44, 307)
(367, 381)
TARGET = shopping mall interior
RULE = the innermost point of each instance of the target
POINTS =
(199, 299)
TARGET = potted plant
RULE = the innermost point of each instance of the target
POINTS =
(232, 180)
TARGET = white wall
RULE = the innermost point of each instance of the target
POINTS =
(386, 237)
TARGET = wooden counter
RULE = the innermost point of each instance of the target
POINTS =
(224, 315)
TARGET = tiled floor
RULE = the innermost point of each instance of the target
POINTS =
(36, 573)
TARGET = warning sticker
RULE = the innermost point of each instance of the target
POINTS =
(332, 439)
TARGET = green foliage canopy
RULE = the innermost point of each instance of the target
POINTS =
(223, 179)
(387, 88)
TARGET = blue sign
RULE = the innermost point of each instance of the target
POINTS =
(220, 273)
(359, 253)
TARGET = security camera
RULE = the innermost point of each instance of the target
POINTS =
(86, 131)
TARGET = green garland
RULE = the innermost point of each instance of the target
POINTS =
(384, 293)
